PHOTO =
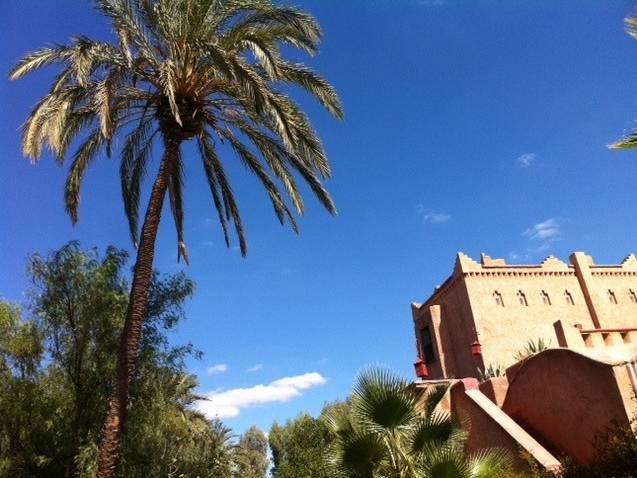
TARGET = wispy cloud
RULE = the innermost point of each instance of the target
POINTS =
(436, 217)
(207, 243)
(527, 159)
(540, 239)
(229, 403)
(546, 230)
(217, 369)
(255, 368)
(430, 216)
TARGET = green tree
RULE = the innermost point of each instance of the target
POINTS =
(250, 456)
(56, 360)
(298, 447)
(180, 70)
(386, 435)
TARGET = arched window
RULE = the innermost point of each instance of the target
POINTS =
(522, 298)
(546, 300)
(611, 296)
(498, 298)
(569, 298)
(633, 297)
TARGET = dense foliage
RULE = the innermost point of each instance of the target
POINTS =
(57, 357)
(389, 432)
(299, 446)
(616, 455)
(250, 455)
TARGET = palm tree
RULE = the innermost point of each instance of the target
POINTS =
(390, 433)
(629, 141)
(204, 70)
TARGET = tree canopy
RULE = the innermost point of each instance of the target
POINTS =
(299, 447)
(57, 356)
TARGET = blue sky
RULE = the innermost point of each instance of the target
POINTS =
(470, 125)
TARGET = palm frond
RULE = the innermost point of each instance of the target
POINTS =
(176, 205)
(448, 462)
(125, 17)
(133, 166)
(214, 189)
(359, 454)
(253, 164)
(431, 431)
(85, 154)
(168, 78)
(488, 462)
(212, 164)
(627, 142)
(104, 96)
(382, 400)
(68, 128)
(302, 24)
(339, 422)
(46, 121)
(275, 155)
(434, 397)
(315, 84)
(39, 59)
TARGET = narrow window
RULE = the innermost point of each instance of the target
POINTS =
(633, 297)
(522, 298)
(427, 345)
(546, 300)
(611, 296)
(498, 298)
(569, 298)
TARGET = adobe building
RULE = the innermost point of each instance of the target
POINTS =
(555, 402)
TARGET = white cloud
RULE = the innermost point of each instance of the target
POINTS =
(255, 368)
(229, 403)
(525, 160)
(436, 217)
(217, 369)
(547, 230)
(433, 217)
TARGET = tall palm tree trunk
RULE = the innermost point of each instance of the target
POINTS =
(108, 453)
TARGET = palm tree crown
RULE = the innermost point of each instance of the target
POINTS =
(209, 70)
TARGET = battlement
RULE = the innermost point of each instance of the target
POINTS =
(465, 264)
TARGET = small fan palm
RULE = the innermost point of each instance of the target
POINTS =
(204, 70)
(388, 433)
(533, 347)
(491, 371)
